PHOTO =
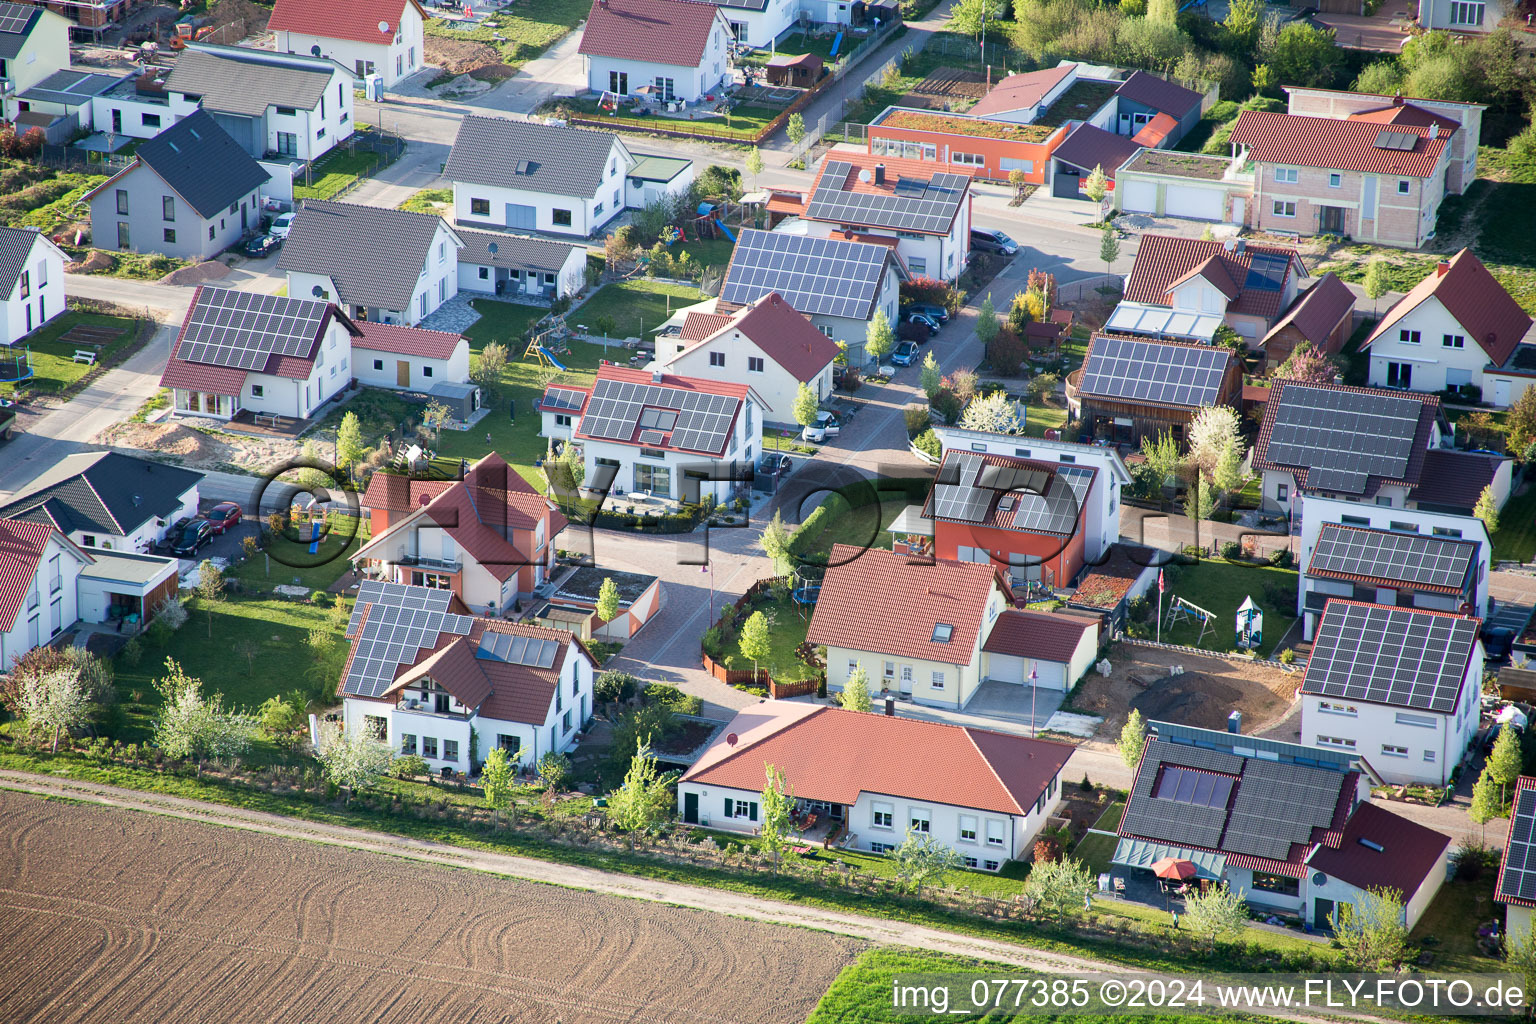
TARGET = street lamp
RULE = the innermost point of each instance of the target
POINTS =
(1033, 676)
(709, 567)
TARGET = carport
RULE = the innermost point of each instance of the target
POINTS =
(1083, 150)
(125, 588)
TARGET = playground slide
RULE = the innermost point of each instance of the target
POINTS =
(314, 537)
(727, 232)
(547, 354)
(836, 43)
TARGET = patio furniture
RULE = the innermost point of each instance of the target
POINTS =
(1119, 888)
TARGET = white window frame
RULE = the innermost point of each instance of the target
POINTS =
(878, 810)
(1287, 175)
(1331, 708)
(937, 680)
(1335, 179)
(1404, 186)
(921, 820)
(1407, 337)
(968, 824)
(1338, 742)
(1393, 750)
(1284, 208)
(996, 833)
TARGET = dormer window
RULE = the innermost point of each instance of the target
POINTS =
(942, 632)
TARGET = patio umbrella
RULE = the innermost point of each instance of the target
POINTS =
(1174, 868)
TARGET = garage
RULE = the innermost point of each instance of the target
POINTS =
(1066, 184)
(1058, 647)
(1008, 668)
(1140, 197)
(1194, 203)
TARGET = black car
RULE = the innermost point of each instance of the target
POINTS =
(263, 245)
(191, 537)
(1498, 642)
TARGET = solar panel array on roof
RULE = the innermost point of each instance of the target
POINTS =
(244, 329)
(701, 421)
(1056, 510)
(14, 17)
(1402, 141)
(1519, 876)
(955, 494)
(1266, 271)
(1397, 656)
(516, 649)
(1143, 371)
(1401, 557)
(401, 622)
(564, 398)
(816, 276)
(916, 205)
(1278, 805)
(1188, 786)
(1343, 437)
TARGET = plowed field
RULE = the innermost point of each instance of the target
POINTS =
(110, 915)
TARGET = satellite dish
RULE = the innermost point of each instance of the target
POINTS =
(315, 50)
(318, 292)
(865, 176)
(384, 27)
(731, 739)
(493, 248)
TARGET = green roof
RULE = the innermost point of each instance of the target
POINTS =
(658, 168)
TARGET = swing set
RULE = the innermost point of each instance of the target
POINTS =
(1182, 610)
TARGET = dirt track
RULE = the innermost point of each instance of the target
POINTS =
(121, 917)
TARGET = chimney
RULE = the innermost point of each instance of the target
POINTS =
(1442, 267)
(655, 376)
(1434, 132)
(890, 707)
(879, 174)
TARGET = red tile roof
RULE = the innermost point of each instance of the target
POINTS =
(1214, 270)
(408, 341)
(1163, 261)
(774, 326)
(1160, 94)
(1089, 147)
(215, 380)
(1335, 144)
(1043, 636)
(395, 493)
(1409, 852)
(698, 326)
(1454, 479)
(1156, 131)
(1428, 414)
(1023, 90)
(1475, 298)
(672, 32)
(1317, 311)
(913, 597)
(1405, 112)
(357, 20)
(22, 545)
(830, 754)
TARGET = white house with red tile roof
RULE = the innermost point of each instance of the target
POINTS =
(1457, 328)
(767, 344)
(488, 538)
(1247, 284)
(984, 793)
(38, 571)
(383, 37)
(671, 49)
(655, 434)
(400, 357)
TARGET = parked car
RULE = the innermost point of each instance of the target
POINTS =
(223, 516)
(905, 354)
(282, 225)
(992, 240)
(924, 320)
(938, 314)
(1498, 641)
(192, 537)
(263, 245)
(826, 426)
(769, 463)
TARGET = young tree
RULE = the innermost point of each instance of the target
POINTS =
(1306, 363)
(1242, 24)
(1375, 283)
(195, 726)
(210, 589)
(1520, 955)
(795, 129)
(1487, 509)
(643, 799)
(1199, 498)
(56, 701)
(489, 366)
(776, 803)
(350, 449)
(280, 720)
(1371, 930)
(855, 692)
(1520, 422)
(1043, 385)
(1057, 887)
(995, 412)
(1133, 739)
(355, 761)
(963, 383)
(775, 544)
(754, 163)
(970, 16)
(554, 769)
(1215, 912)
(987, 324)
(608, 600)
(1097, 185)
(1301, 54)
(1018, 179)
(806, 405)
(496, 779)
(754, 640)
(922, 857)
(1162, 457)
(1505, 761)
(1214, 432)
(1486, 804)
(930, 379)
(878, 339)
(1109, 247)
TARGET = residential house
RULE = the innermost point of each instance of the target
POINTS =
(1474, 16)
(1374, 108)
(665, 50)
(243, 354)
(655, 178)
(34, 45)
(839, 284)
(38, 566)
(1355, 178)
(1022, 98)
(1246, 284)
(766, 344)
(984, 794)
(657, 434)
(1287, 827)
(927, 645)
(191, 192)
(1155, 112)
(1193, 186)
(1398, 568)
(382, 37)
(758, 23)
(31, 281)
(860, 197)
(449, 687)
(528, 176)
(1099, 524)
(1456, 330)
(379, 264)
(1516, 886)
(573, 605)
(1129, 389)
(1397, 685)
(488, 538)
(408, 358)
(1322, 316)
(107, 500)
(1088, 148)
(983, 147)
(125, 588)
(520, 267)
(279, 106)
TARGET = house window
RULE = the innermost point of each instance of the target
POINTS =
(1408, 337)
(884, 816)
(1403, 186)
(970, 862)
(169, 234)
(407, 744)
(890, 671)
(88, 540)
(968, 159)
(1429, 755)
(480, 207)
(938, 681)
(485, 273)
(1467, 13)
(1277, 884)
(1067, 459)
(565, 721)
(942, 631)
(421, 303)
(562, 419)
(1444, 531)
(1399, 375)
(1287, 175)
(597, 211)
(652, 453)
(1284, 208)
(1355, 520)
(257, 390)
(442, 289)
(1397, 527)
(1333, 708)
(450, 750)
(378, 364)
(55, 578)
(561, 218)
(287, 143)
(717, 359)
(167, 207)
(740, 808)
(210, 232)
(618, 82)
(920, 819)
(994, 833)
(26, 283)
(1282, 492)
(1419, 721)
(150, 120)
(991, 865)
(880, 847)
(1009, 163)
(1336, 741)
(287, 111)
(967, 828)
(1393, 750)
(755, 364)
(1335, 179)
(1453, 341)
(442, 252)
(917, 264)
(511, 744)
(429, 746)
(122, 202)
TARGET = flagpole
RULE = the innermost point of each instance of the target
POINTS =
(1159, 606)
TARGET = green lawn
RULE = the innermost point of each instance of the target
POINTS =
(864, 525)
(1110, 819)
(1219, 587)
(1040, 418)
(53, 364)
(787, 626)
(288, 561)
(1515, 539)
(521, 36)
(1095, 851)
(636, 307)
(430, 200)
(1450, 924)
(336, 170)
(707, 252)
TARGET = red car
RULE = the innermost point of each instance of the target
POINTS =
(223, 516)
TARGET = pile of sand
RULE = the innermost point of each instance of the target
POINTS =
(198, 273)
(165, 438)
(95, 263)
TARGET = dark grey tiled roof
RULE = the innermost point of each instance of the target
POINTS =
(15, 246)
(234, 82)
(513, 252)
(102, 492)
(16, 23)
(202, 164)
(373, 254)
(554, 160)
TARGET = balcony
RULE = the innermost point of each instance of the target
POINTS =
(419, 561)
(419, 707)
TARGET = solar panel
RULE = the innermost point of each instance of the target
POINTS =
(1341, 436)
(1409, 558)
(564, 398)
(1402, 141)
(1518, 879)
(1396, 656)
(698, 420)
(816, 276)
(1056, 510)
(243, 330)
(1203, 789)
(400, 622)
(955, 494)
(517, 649)
(913, 205)
(1266, 271)
(1155, 373)
(14, 17)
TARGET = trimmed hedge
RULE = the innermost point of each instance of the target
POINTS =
(810, 531)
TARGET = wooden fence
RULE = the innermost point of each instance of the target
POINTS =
(760, 677)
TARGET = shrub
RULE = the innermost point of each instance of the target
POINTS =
(928, 443)
(171, 612)
(410, 766)
(1281, 558)
(1047, 850)
(1086, 785)
(1193, 551)
(250, 546)
(667, 695)
(947, 405)
(132, 652)
(1006, 353)
(321, 598)
(917, 419)
(1287, 657)
(1232, 550)
(712, 642)
(615, 687)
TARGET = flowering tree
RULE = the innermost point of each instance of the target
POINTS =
(355, 761)
(996, 413)
(1306, 363)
